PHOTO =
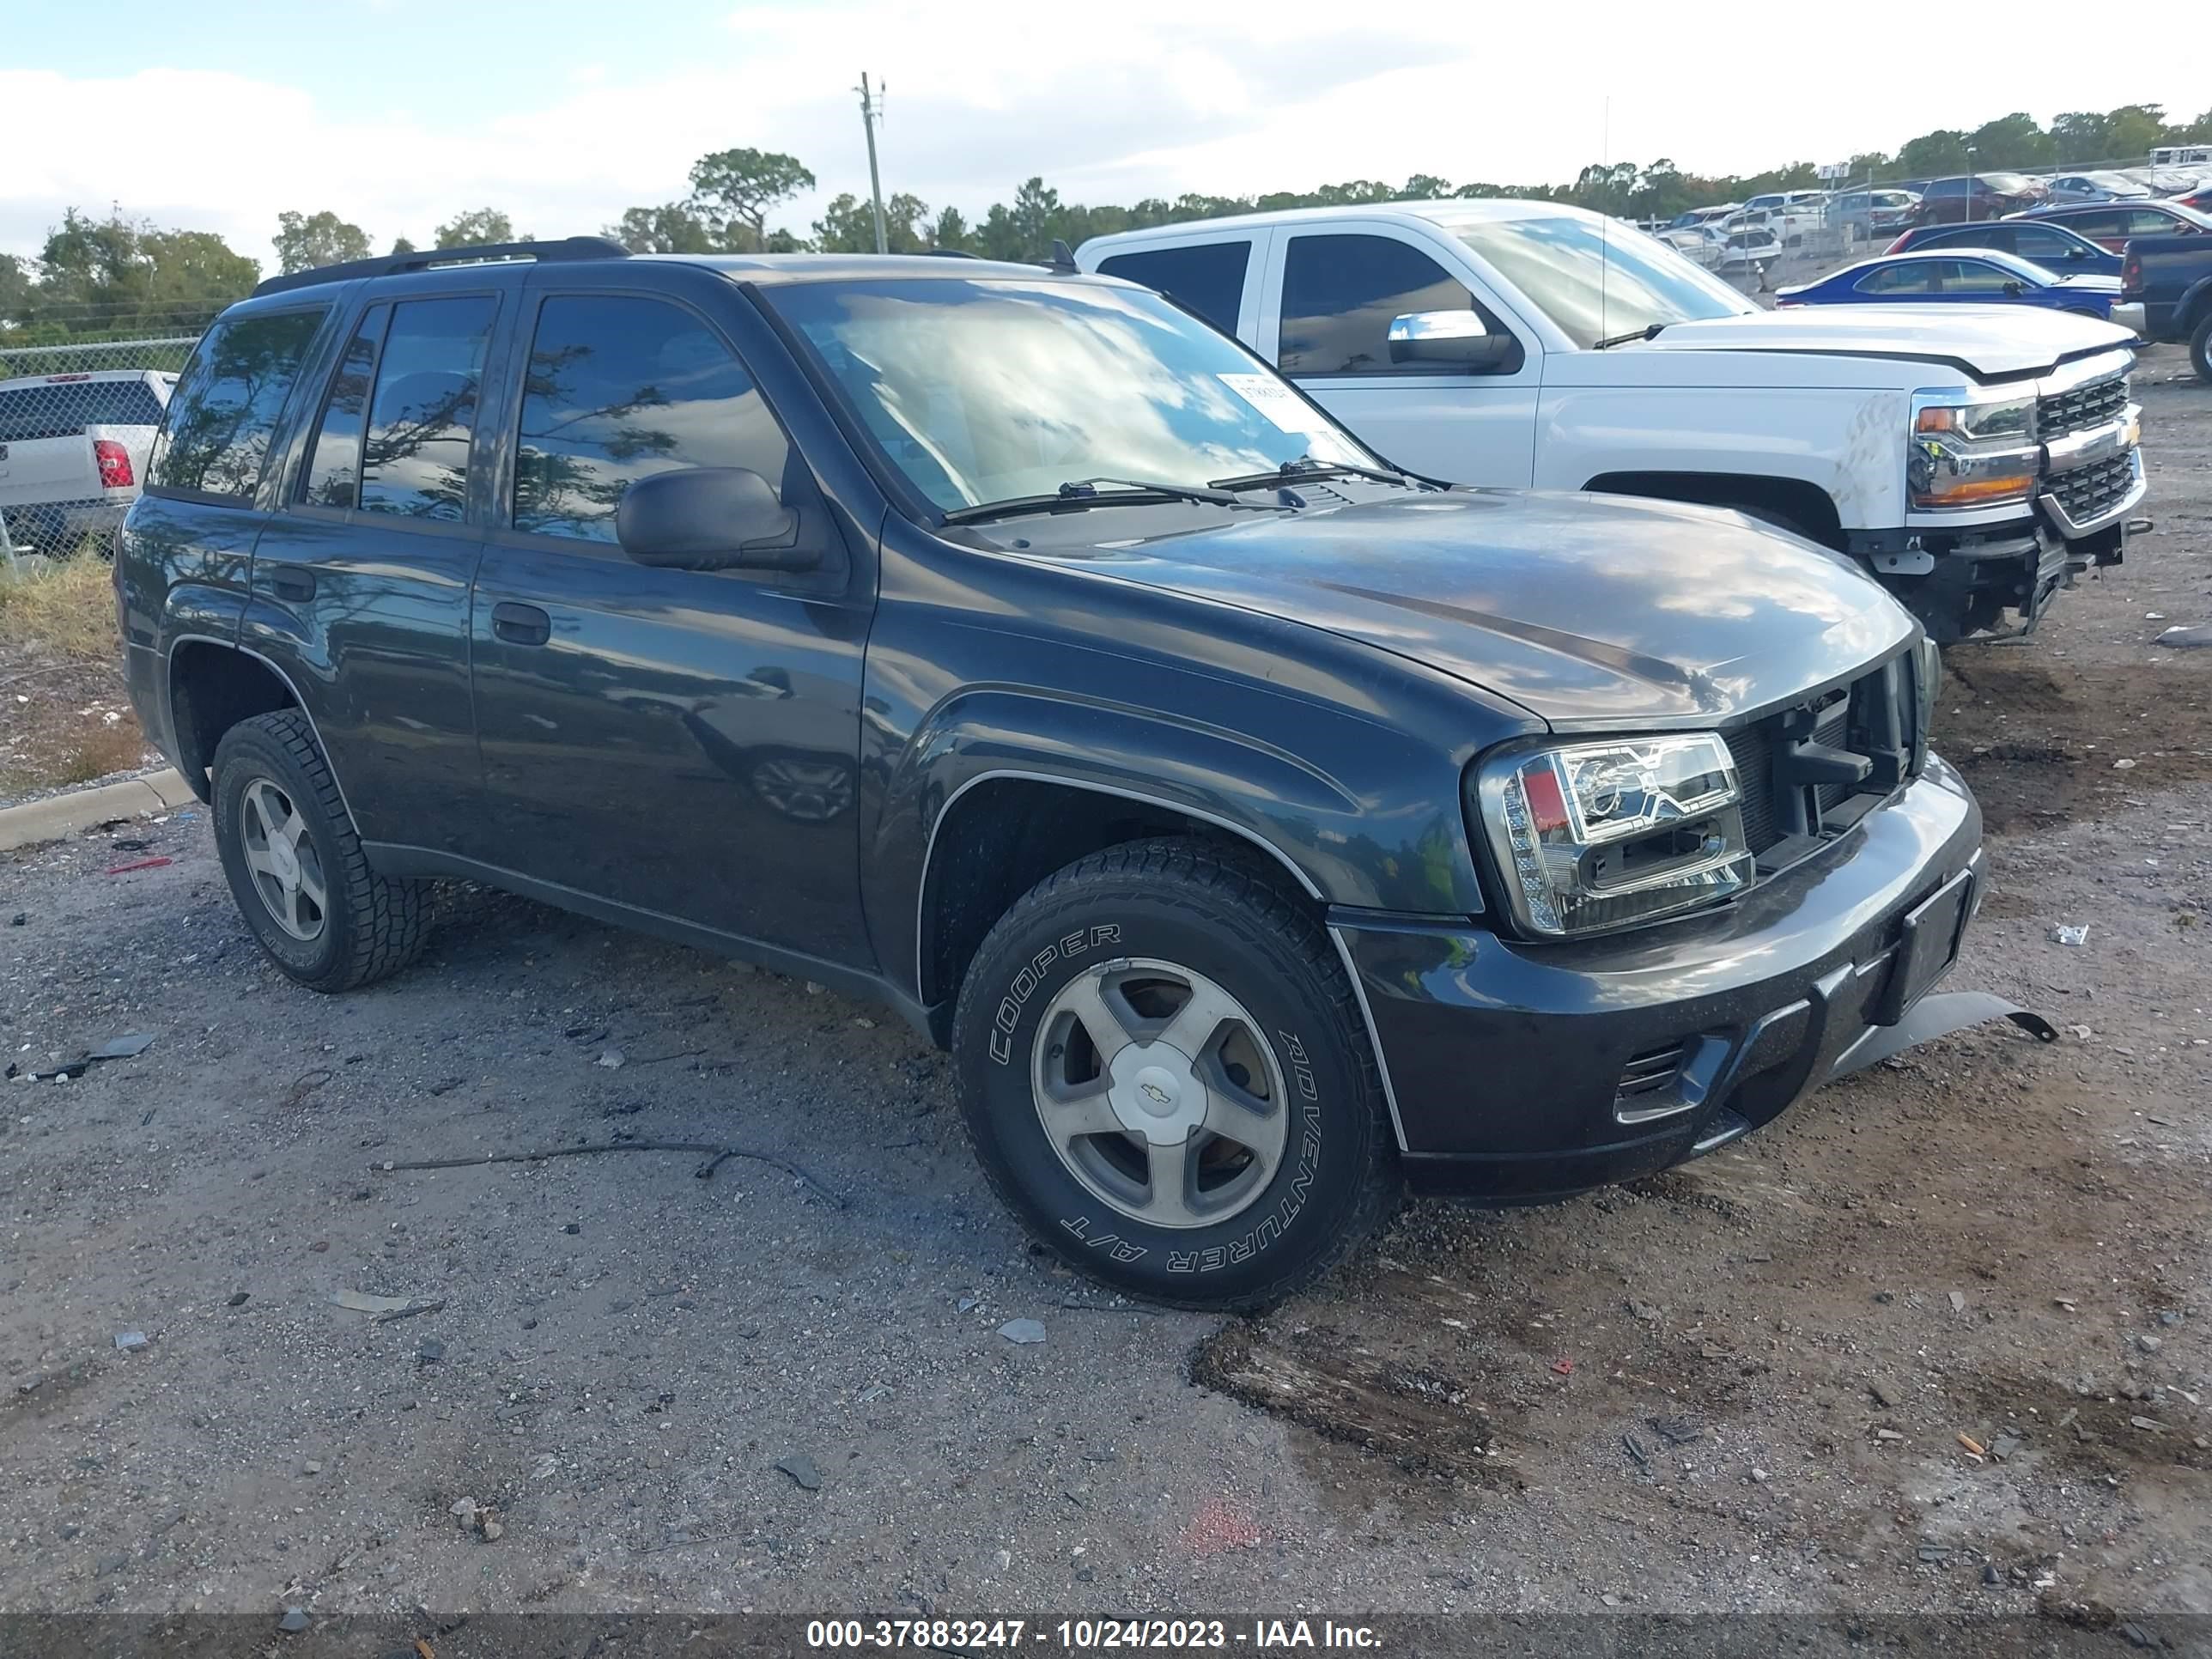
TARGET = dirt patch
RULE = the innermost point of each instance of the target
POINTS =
(1424, 1421)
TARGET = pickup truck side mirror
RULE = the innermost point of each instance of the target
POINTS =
(711, 518)
(1459, 338)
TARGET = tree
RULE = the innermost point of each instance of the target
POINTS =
(847, 225)
(2010, 141)
(732, 191)
(950, 231)
(2132, 130)
(118, 274)
(672, 227)
(478, 227)
(15, 292)
(306, 240)
(1933, 154)
(2078, 138)
(401, 245)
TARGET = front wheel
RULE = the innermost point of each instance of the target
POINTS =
(2200, 347)
(1166, 1077)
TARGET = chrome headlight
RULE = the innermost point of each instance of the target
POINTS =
(1593, 835)
(1970, 453)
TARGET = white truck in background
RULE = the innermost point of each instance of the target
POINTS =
(73, 452)
(1972, 458)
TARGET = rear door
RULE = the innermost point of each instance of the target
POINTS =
(361, 581)
(1330, 298)
(683, 743)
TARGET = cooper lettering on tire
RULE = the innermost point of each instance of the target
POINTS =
(1165, 1076)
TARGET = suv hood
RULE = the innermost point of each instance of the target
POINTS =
(1590, 611)
(1991, 342)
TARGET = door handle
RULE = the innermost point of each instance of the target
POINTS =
(290, 582)
(520, 624)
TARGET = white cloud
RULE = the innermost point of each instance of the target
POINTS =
(1151, 97)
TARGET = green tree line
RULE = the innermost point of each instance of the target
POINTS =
(119, 277)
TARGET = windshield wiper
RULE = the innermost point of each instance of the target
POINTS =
(1649, 331)
(1305, 466)
(1078, 492)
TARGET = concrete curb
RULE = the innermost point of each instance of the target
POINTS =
(58, 815)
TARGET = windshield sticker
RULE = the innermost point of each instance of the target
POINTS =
(1283, 407)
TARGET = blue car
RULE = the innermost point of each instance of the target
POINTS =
(1978, 276)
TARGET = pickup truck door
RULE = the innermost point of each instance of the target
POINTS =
(683, 743)
(1325, 320)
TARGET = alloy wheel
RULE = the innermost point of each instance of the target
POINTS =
(1160, 1093)
(287, 871)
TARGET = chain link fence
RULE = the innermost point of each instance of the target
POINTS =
(77, 429)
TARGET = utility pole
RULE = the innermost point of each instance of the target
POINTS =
(871, 112)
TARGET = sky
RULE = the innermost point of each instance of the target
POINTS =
(397, 114)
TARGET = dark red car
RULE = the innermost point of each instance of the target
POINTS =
(1976, 196)
(2109, 224)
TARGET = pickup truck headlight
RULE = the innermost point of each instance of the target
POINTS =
(1594, 836)
(1972, 454)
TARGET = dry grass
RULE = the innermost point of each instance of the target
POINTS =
(60, 609)
(65, 718)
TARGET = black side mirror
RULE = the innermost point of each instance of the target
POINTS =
(711, 518)
(2014, 289)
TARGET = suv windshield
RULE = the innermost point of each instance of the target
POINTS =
(1598, 281)
(992, 388)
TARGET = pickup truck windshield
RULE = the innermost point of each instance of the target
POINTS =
(992, 389)
(1598, 282)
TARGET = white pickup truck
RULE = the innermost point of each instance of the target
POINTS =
(73, 452)
(1972, 458)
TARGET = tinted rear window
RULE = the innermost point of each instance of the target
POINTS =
(414, 459)
(63, 409)
(1208, 278)
(224, 410)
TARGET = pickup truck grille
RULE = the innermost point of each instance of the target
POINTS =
(2084, 406)
(2088, 491)
(1845, 720)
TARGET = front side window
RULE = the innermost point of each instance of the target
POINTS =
(1595, 279)
(1340, 293)
(2042, 243)
(620, 388)
(224, 411)
(987, 389)
(415, 454)
(1208, 278)
(1973, 276)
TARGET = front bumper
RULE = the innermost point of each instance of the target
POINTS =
(1521, 1072)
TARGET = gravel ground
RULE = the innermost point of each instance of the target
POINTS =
(1748, 1384)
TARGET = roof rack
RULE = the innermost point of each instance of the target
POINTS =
(570, 247)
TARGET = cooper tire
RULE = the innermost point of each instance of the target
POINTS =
(270, 774)
(1142, 917)
(2200, 346)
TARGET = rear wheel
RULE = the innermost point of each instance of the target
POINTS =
(2200, 347)
(1166, 1077)
(295, 866)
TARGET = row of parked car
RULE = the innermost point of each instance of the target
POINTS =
(1755, 234)
(1100, 666)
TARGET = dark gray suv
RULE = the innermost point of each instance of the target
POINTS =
(1261, 826)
